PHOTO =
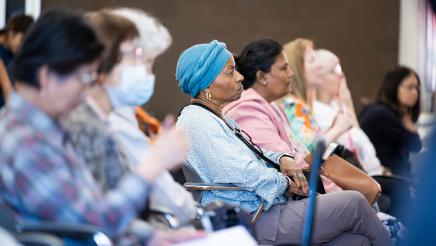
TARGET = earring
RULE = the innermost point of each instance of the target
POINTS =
(208, 96)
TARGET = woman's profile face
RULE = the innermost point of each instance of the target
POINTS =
(408, 91)
(278, 80)
(227, 86)
(331, 77)
(312, 67)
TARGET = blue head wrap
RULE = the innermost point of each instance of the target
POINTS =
(199, 65)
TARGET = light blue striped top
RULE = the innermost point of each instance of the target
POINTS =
(218, 156)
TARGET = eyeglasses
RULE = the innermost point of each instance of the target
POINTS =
(133, 55)
(411, 87)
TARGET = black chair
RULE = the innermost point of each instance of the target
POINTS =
(197, 186)
(50, 233)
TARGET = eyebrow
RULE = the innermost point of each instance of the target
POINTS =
(230, 66)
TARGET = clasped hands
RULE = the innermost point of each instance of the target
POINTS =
(299, 185)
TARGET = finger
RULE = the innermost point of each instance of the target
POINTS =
(305, 185)
(297, 180)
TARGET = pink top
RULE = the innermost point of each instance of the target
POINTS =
(266, 124)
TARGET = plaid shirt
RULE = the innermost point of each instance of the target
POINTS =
(42, 179)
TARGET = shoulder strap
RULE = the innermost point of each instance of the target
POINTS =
(237, 132)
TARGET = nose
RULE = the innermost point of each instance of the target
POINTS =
(239, 77)
(290, 72)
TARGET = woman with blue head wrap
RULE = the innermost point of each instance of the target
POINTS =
(207, 73)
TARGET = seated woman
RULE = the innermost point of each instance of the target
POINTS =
(390, 123)
(167, 194)
(207, 73)
(298, 105)
(41, 177)
(123, 82)
(267, 78)
(329, 103)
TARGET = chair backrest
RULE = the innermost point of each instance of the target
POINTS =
(313, 183)
(192, 176)
(8, 220)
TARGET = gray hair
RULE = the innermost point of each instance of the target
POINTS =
(154, 38)
(326, 58)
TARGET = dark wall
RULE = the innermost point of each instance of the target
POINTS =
(363, 33)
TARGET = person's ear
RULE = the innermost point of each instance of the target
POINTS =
(261, 77)
(43, 79)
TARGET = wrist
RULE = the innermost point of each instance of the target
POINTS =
(288, 184)
(150, 168)
(283, 158)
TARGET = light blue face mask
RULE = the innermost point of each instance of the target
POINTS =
(135, 88)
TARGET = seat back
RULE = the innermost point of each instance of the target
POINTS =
(7, 216)
(192, 176)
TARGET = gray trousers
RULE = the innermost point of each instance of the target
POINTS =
(341, 218)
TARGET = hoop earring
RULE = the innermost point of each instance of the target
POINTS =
(208, 96)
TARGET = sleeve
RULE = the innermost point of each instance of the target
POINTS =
(56, 188)
(253, 119)
(389, 126)
(169, 194)
(225, 160)
(98, 148)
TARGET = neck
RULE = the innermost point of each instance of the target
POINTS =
(99, 95)
(34, 96)
(311, 95)
(215, 107)
(260, 89)
(324, 98)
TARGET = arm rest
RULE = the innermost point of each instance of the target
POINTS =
(210, 186)
(165, 216)
(76, 231)
(42, 239)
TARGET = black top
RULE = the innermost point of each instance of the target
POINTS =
(6, 56)
(392, 141)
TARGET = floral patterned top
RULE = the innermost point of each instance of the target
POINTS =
(302, 121)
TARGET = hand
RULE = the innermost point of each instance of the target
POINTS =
(300, 185)
(408, 122)
(167, 151)
(163, 238)
(344, 94)
(341, 124)
(386, 172)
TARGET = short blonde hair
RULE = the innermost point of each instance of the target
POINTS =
(154, 38)
(294, 51)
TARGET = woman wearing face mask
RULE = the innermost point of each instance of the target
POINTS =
(41, 177)
(298, 105)
(122, 81)
(154, 39)
(207, 73)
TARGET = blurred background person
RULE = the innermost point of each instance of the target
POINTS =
(44, 180)
(136, 133)
(390, 123)
(11, 38)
